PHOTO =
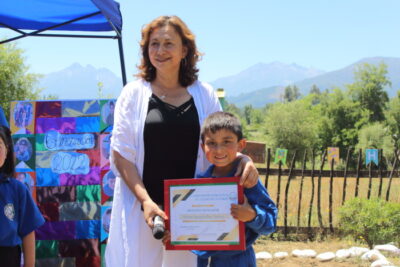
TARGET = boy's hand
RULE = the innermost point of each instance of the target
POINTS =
(244, 212)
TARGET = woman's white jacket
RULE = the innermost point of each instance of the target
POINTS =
(127, 139)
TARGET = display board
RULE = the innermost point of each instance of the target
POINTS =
(62, 150)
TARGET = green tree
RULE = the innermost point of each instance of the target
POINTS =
(258, 116)
(369, 89)
(315, 90)
(248, 110)
(291, 93)
(291, 125)
(340, 120)
(232, 108)
(377, 136)
(392, 115)
(15, 81)
(316, 94)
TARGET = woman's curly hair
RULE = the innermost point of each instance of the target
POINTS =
(187, 71)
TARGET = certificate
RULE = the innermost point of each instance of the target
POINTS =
(199, 214)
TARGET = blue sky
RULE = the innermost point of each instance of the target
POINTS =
(234, 35)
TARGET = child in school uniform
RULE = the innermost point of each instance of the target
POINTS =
(222, 138)
(19, 215)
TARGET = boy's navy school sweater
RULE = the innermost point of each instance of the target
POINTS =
(263, 223)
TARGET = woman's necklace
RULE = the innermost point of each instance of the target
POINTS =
(164, 95)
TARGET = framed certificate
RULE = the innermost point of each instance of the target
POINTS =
(199, 214)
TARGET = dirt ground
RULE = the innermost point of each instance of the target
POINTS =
(333, 245)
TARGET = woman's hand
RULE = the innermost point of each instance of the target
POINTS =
(166, 237)
(247, 171)
(150, 210)
(130, 175)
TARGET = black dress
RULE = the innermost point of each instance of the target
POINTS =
(171, 140)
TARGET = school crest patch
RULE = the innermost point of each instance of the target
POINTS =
(9, 211)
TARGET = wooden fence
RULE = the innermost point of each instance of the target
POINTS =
(316, 174)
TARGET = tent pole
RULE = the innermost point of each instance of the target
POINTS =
(121, 59)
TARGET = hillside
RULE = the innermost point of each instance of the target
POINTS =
(338, 78)
(79, 82)
(263, 75)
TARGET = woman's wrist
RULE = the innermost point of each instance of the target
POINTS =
(146, 201)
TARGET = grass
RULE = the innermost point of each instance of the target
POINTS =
(328, 244)
(332, 245)
(294, 189)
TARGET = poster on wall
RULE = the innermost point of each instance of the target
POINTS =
(107, 115)
(24, 149)
(22, 117)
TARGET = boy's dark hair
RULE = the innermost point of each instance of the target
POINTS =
(221, 121)
(8, 168)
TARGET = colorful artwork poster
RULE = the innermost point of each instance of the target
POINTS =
(80, 108)
(48, 109)
(61, 163)
(105, 222)
(29, 180)
(107, 115)
(22, 117)
(107, 186)
(333, 154)
(280, 155)
(24, 149)
(105, 142)
(371, 155)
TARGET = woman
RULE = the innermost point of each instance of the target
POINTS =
(156, 136)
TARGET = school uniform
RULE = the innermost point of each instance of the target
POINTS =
(263, 223)
(19, 216)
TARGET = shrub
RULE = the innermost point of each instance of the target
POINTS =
(374, 221)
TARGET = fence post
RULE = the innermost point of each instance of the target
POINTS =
(391, 175)
(380, 173)
(345, 176)
(287, 191)
(319, 191)
(312, 193)
(358, 173)
(301, 187)
(267, 170)
(278, 191)
(330, 196)
(370, 180)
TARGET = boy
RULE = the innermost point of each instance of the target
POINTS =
(222, 138)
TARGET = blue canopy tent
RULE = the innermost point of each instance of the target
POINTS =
(35, 17)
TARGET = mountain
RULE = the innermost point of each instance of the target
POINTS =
(257, 85)
(258, 98)
(264, 75)
(79, 82)
(341, 77)
(338, 78)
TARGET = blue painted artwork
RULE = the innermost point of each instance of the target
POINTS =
(70, 162)
(105, 222)
(55, 141)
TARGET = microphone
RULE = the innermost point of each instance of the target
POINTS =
(159, 227)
